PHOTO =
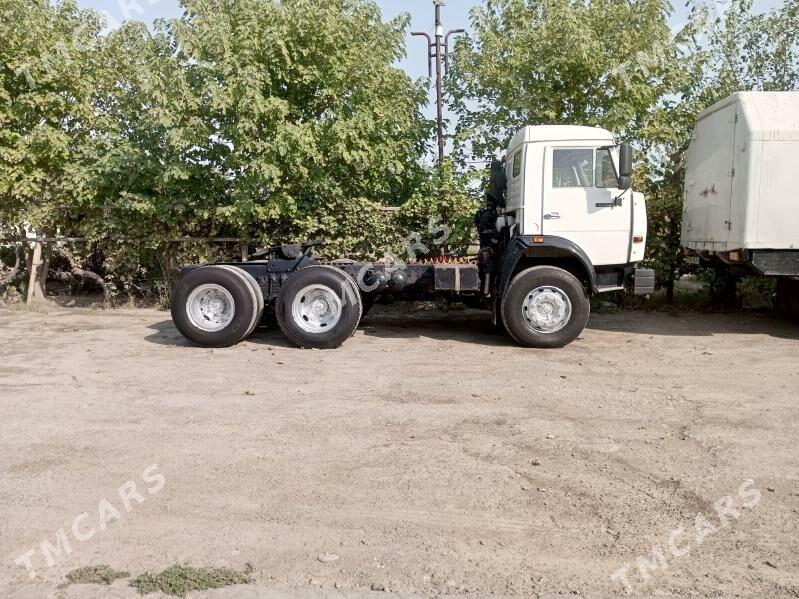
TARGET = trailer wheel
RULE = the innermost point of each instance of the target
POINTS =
(545, 307)
(214, 306)
(319, 307)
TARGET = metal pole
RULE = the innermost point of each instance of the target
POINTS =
(439, 91)
(438, 49)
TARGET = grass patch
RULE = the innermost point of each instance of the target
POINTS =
(178, 580)
(95, 575)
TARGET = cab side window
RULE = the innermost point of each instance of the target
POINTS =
(517, 164)
(605, 170)
(573, 168)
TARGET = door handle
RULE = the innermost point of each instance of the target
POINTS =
(552, 216)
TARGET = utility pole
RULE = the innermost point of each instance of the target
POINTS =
(438, 50)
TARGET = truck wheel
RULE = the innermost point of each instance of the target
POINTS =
(214, 306)
(319, 307)
(545, 307)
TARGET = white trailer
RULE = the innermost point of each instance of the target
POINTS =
(741, 208)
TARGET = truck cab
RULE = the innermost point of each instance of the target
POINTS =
(565, 182)
(560, 212)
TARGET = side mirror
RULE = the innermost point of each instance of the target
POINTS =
(498, 183)
(625, 166)
(498, 172)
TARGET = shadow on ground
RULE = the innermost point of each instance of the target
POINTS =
(463, 326)
(474, 326)
(694, 324)
(165, 333)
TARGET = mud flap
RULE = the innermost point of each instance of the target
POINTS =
(644, 281)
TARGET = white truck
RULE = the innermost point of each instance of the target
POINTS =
(560, 223)
(741, 208)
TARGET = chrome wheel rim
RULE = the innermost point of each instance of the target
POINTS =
(210, 308)
(547, 309)
(316, 309)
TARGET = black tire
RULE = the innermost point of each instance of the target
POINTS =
(787, 304)
(244, 304)
(724, 294)
(349, 310)
(257, 295)
(555, 282)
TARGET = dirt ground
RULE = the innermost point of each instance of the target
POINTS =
(428, 455)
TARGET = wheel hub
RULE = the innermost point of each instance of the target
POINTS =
(210, 308)
(316, 309)
(546, 309)
(320, 307)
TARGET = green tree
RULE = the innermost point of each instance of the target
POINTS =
(445, 197)
(310, 124)
(48, 121)
(265, 119)
(529, 62)
(274, 121)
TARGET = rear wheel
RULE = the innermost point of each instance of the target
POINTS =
(545, 307)
(319, 307)
(214, 306)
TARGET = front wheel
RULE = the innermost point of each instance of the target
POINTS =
(319, 307)
(545, 307)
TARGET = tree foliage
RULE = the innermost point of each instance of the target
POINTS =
(531, 62)
(48, 123)
(306, 124)
(263, 119)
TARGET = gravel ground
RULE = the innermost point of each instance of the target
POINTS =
(428, 455)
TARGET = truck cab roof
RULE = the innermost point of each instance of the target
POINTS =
(549, 133)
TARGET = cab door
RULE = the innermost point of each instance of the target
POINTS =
(580, 189)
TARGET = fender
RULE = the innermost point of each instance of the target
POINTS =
(563, 248)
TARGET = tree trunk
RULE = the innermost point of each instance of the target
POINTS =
(724, 291)
(670, 285)
(44, 271)
(35, 287)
